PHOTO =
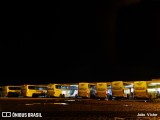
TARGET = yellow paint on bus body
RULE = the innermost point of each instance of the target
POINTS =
(83, 90)
(54, 90)
(140, 89)
(101, 90)
(117, 89)
(33, 90)
(10, 91)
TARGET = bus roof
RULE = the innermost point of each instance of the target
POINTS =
(10, 86)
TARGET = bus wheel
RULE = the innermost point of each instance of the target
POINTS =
(63, 96)
(76, 96)
(34, 95)
(89, 96)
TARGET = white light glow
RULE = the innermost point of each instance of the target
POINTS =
(131, 89)
(154, 83)
(151, 90)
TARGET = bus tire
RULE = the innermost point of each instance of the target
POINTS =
(63, 95)
(76, 96)
(34, 95)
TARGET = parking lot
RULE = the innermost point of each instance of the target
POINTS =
(65, 108)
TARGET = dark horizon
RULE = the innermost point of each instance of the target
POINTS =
(99, 42)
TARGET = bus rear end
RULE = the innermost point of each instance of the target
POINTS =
(38, 90)
(83, 90)
(101, 90)
(140, 90)
(11, 91)
(33, 91)
(118, 89)
(54, 90)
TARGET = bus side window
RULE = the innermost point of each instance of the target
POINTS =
(31, 87)
(58, 87)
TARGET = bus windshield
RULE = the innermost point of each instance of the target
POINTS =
(65, 87)
(37, 87)
(41, 88)
(58, 86)
(73, 87)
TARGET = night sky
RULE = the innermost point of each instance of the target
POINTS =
(66, 42)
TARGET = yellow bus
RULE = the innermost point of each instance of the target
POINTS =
(86, 90)
(118, 89)
(101, 90)
(55, 90)
(140, 90)
(11, 91)
(34, 91)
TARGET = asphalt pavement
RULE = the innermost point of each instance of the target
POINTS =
(71, 109)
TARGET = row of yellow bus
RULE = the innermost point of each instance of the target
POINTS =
(115, 89)
(121, 89)
(51, 90)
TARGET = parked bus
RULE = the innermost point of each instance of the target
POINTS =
(140, 90)
(55, 90)
(34, 91)
(101, 90)
(11, 91)
(118, 89)
(86, 90)
(62, 90)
